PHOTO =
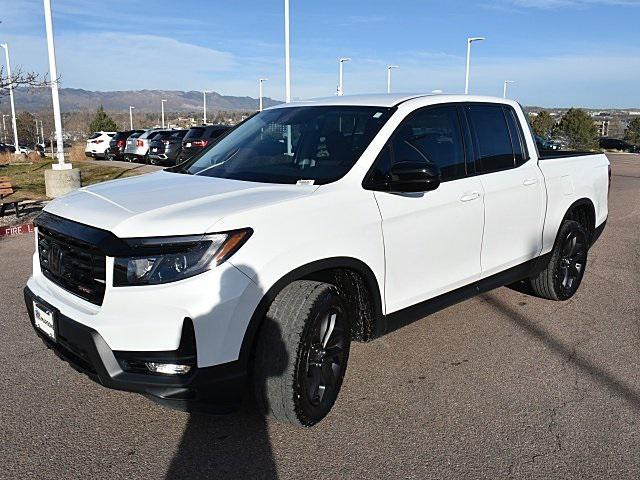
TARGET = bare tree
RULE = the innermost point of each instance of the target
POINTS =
(20, 78)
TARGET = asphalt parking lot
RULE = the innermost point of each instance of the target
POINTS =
(501, 386)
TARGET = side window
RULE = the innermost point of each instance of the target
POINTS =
(435, 135)
(491, 136)
(517, 137)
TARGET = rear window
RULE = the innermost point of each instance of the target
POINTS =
(195, 132)
(179, 134)
(135, 135)
(153, 135)
(491, 137)
(216, 132)
(95, 135)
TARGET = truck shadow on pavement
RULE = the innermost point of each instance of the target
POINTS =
(235, 445)
(568, 353)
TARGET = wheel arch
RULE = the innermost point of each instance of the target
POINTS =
(347, 272)
(582, 211)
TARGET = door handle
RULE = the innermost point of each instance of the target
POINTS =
(529, 181)
(467, 197)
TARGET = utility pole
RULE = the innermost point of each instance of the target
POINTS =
(131, 117)
(389, 68)
(11, 100)
(162, 107)
(469, 42)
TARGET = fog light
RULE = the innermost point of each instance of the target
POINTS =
(168, 368)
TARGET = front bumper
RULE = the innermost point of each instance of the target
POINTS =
(217, 389)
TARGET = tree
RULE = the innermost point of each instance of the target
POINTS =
(543, 124)
(20, 79)
(102, 122)
(578, 130)
(632, 133)
(26, 128)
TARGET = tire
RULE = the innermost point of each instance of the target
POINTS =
(302, 353)
(563, 274)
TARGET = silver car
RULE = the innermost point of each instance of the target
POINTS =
(137, 147)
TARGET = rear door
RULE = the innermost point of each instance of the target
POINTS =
(514, 192)
(433, 239)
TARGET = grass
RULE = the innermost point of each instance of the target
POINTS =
(27, 179)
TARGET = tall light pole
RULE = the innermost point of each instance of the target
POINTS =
(162, 108)
(204, 104)
(506, 84)
(4, 128)
(389, 68)
(341, 61)
(261, 81)
(13, 105)
(53, 71)
(131, 117)
(287, 55)
(42, 133)
(37, 132)
(469, 42)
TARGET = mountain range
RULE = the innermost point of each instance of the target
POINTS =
(76, 99)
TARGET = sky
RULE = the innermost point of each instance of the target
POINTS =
(558, 52)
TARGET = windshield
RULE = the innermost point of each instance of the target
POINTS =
(287, 145)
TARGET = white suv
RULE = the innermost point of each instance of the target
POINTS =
(97, 144)
(304, 228)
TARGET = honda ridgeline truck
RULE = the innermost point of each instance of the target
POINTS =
(310, 225)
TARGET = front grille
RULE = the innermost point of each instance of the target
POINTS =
(76, 266)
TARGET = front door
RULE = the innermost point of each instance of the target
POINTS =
(432, 240)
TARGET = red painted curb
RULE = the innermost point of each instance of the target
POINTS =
(15, 230)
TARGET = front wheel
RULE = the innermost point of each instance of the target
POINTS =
(563, 274)
(302, 353)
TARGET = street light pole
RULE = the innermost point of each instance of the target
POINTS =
(389, 68)
(53, 70)
(37, 132)
(13, 105)
(341, 61)
(131, 117)
(469, 42)
(4, 128)
(287, 55)
(261, 81)
(204, 104)
(162, 108)
(504, 90)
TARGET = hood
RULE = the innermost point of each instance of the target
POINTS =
(163, 203)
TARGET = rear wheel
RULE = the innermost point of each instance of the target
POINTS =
(302, 353)
(563, 274)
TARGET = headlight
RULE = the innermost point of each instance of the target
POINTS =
(163, 260)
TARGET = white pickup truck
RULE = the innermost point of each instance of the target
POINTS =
(308, 226)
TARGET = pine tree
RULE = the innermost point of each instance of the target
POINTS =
(102, 122)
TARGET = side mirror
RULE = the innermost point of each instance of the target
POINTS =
(414, 177)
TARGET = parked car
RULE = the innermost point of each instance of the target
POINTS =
(7, 148)
(617, 144)
(263, 258)
(166, 147)
(198, 138)
(97, 144)
(137, 146)
(546, 144)
(118, 143)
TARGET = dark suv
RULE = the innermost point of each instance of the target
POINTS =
(198, 138)
(117, 144)
(165, 148)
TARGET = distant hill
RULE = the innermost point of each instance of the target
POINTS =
(76, 99)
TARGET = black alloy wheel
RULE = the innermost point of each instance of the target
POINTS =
(325, 353)
(572, 262)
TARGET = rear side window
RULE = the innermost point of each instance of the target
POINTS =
(517, 137)
(491, 137)
(435, 133)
